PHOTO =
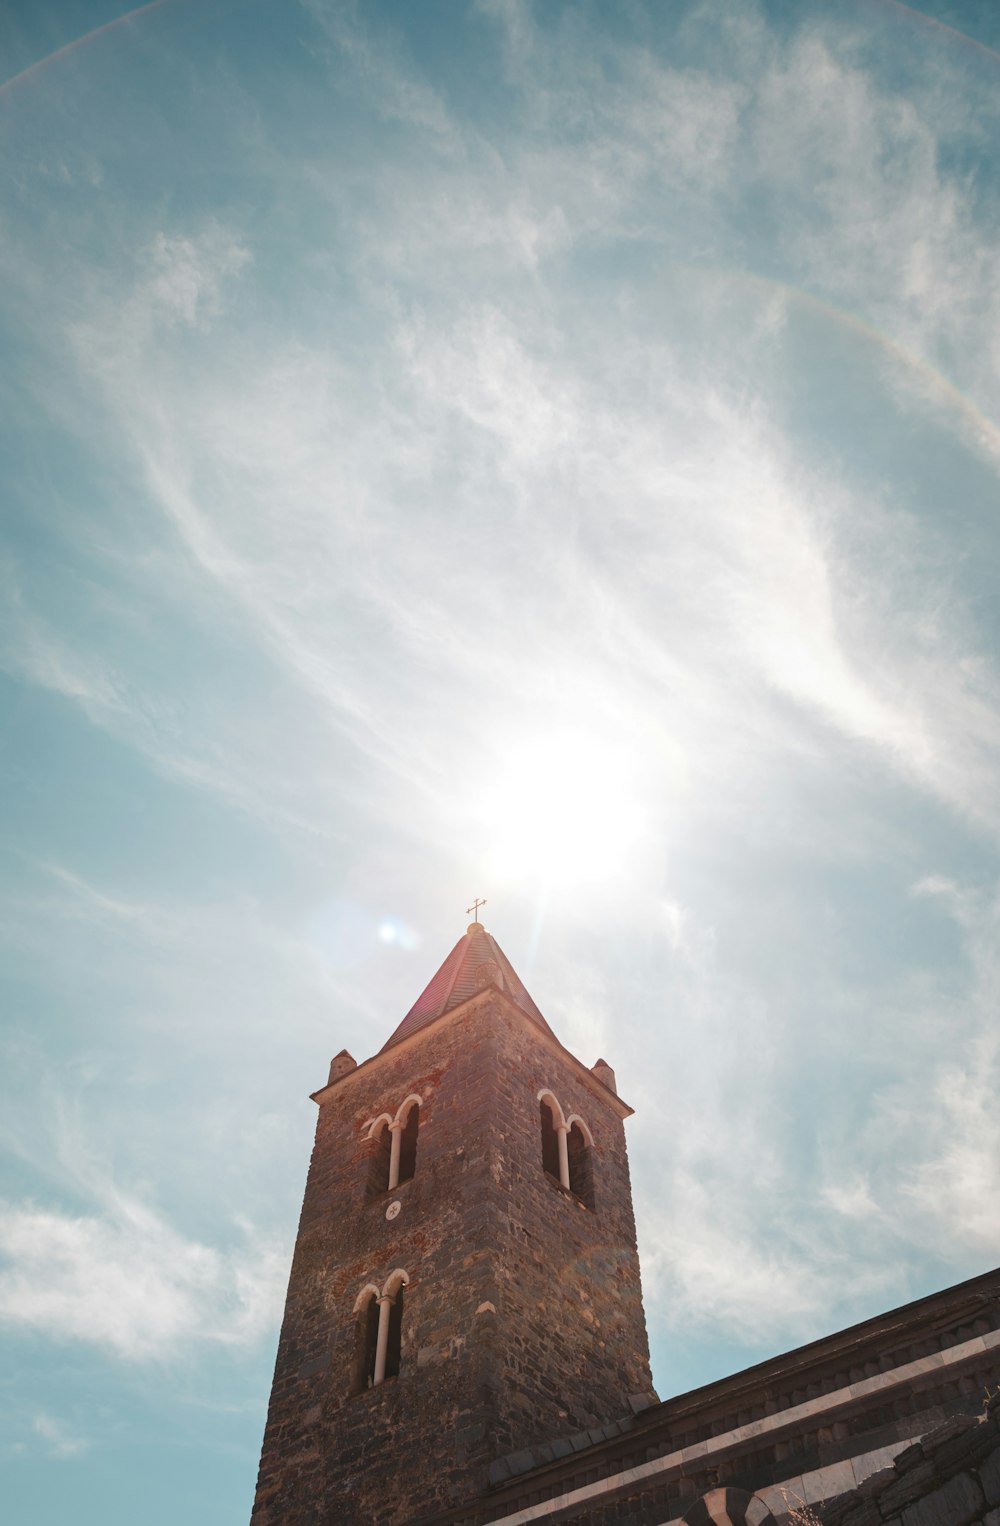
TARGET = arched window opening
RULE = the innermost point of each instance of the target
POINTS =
(394, 1347)
(378, 1166)
(550, 1141)
(365, 1345)
(581, 1166)
(378, 1336)
(734, 1506)
(408, 1144)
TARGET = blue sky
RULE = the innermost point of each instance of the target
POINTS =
(543, 452)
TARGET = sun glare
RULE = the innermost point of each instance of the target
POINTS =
(563, 811)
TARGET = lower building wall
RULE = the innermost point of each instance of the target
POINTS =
(792, 1435)
(949, 1478)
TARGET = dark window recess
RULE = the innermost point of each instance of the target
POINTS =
(550, 1142)
(581, 1166)
(365, 1342)
(395, 1333)
(378, 1164)
(408, 1144)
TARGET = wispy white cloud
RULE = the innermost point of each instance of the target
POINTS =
(59, 1440)
(225, 957)
(952, 1175)
(737, 1268)
(379, 70)
(128, 1281)
(765, 1220)
(851, 168)
(31, 649)
(886, 228)
(35, 651)
(294, 476)
(853, 1199)
(510, 447)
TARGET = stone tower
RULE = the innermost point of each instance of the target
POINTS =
(465, 1279)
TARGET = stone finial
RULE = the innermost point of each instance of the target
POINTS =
(602, 1070)
(341, 1065)
(475, 927)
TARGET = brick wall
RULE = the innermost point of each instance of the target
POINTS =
(574, 1340)
(523, 1315)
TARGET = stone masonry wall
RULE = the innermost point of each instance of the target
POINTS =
(949, 1478)
(332, 1456)
(522, 1316)
(573, 1338)
(794, 1427)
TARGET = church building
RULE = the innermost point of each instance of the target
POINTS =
(464, 1339)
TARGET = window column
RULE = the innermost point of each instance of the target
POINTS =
(395, 1135)
(561, 1133)
(385, 1303)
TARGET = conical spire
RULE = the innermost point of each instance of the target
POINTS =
(476, 961)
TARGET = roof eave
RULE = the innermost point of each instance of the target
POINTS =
(604, 1093)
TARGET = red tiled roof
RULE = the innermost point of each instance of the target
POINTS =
(476, 962)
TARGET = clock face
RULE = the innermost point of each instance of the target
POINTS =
(392, 1210)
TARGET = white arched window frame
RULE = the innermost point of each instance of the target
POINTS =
(366, 1338)
(548, 1098)
(572, 1166)
(385, 1176)
(380, 1159)
(404, 1140)
(574, 1118)
(383, 1361)
(579, 1149)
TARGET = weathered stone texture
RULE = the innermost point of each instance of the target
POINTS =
(950, 1478)
(799, 1426)
(989, 1477)
(523, 1315)
(959, 1502)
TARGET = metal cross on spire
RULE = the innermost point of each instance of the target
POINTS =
(473, 910)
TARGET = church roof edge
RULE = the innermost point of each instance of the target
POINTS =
(476, 962)
(587, 1076)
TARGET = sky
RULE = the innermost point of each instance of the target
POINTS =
(546, 452)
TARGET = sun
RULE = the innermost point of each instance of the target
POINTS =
(563, 810)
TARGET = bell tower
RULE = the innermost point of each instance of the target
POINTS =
(465, 1279)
